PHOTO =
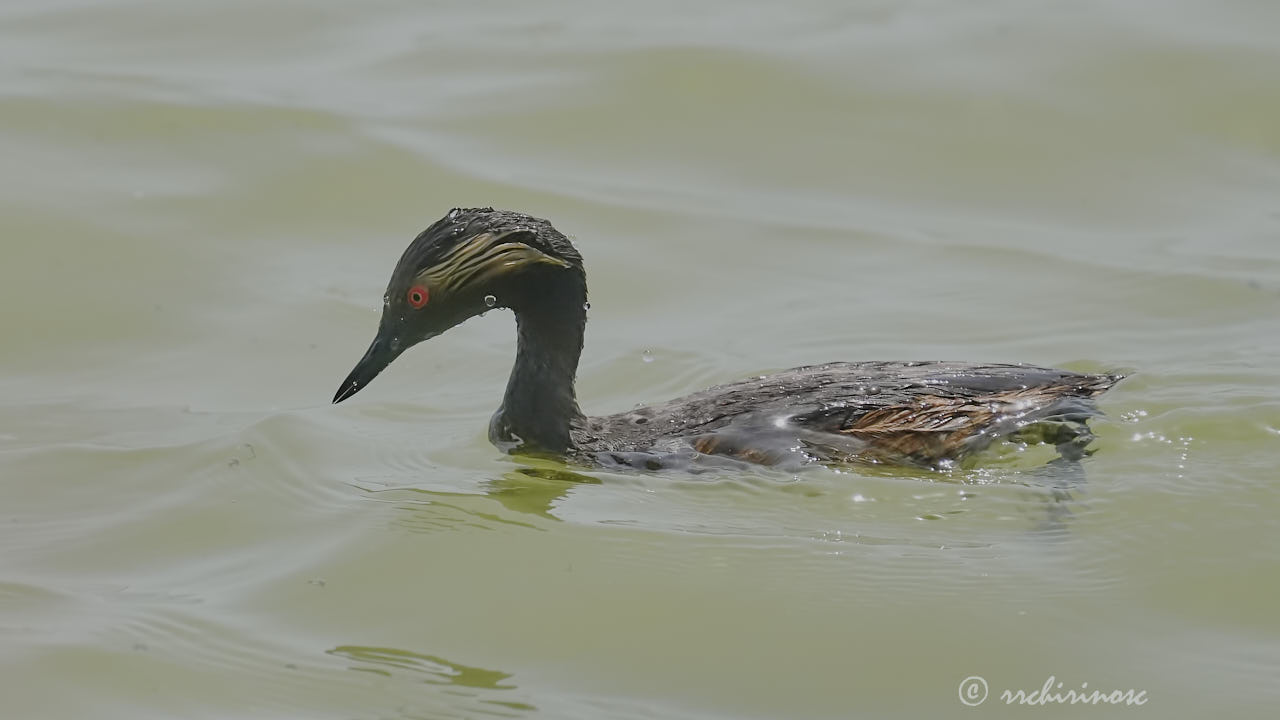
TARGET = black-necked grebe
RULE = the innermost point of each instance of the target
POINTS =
(929, 414)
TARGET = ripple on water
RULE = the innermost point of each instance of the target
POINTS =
(981, 528)
(190, 659)
(898, 532)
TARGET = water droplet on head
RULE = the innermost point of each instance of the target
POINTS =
(490, 300)
(647, 356)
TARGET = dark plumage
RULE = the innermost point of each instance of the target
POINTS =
(929, 414)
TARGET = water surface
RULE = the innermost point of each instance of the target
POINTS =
(200, 205)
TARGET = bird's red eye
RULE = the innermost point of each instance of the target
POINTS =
(417, 296)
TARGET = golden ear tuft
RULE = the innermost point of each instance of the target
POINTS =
(522, 254)
(486, 257)
(511, 257)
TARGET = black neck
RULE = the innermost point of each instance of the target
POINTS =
(540, 406)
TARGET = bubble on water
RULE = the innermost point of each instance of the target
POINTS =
(647, 356)
(490, 300)
(586, 306)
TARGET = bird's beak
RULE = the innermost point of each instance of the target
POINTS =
(381, 352)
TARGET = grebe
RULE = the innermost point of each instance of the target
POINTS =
(924, 414)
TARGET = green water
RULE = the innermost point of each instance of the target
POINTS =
(200, 204)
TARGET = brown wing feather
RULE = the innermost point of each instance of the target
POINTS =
(934, 427)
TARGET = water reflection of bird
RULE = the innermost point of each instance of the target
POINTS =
(929, 414)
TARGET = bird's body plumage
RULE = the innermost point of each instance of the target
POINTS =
(930, 414)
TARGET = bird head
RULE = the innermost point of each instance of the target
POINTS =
(467, 262)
